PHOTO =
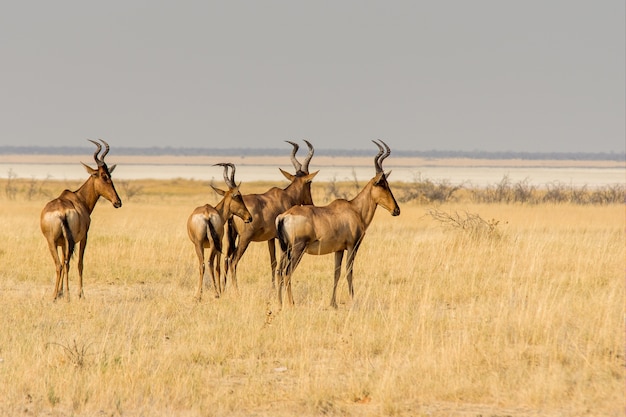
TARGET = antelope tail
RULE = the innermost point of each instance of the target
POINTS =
(217, 241)
(280, 234)
(232, 238)
(69, 238)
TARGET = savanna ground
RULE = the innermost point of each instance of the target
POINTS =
(463, 307)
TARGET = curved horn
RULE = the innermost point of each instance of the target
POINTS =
(95, 155)
(232, 175)
(377, 159)
(387, 153)
(305, 164)
(222, 164)
(106, 150)
(230, 181)
(297, 165)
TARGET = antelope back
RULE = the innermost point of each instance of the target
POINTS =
(382, 195)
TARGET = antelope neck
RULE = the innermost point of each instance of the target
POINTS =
(87, 194)
(364, 204)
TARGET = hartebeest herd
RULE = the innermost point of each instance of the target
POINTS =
(287, 214)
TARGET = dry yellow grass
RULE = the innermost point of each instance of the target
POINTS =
(527, 321)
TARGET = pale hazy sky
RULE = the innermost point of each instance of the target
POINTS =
(491, 75)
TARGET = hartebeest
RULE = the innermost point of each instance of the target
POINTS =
(340, 226)
(65, 220)
(264, 208)
(205, 227)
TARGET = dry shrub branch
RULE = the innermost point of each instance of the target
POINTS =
(470, 223)
(75, 354)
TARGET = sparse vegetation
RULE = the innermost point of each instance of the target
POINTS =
(553, 193)
(526, 319)
(427, 191)
(506, 192)
(10, 189)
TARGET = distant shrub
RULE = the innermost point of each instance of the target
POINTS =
(554, 193)
(557, 193)
(506, 192)
(335, 189)
(10, 188)
(611, 194)
(131, 189)
(428, 191)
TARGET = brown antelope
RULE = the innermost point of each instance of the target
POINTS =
(65, 220)
(340, 226)
(264, 208)
(205, 227)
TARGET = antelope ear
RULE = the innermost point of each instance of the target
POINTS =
(217, 190)
(112, 168)
(287, 175)
(89, 169)
(310, 177)
(235, 191)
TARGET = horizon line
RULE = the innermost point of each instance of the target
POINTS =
(267, 151)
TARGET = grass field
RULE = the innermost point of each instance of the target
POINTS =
(524, 318)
